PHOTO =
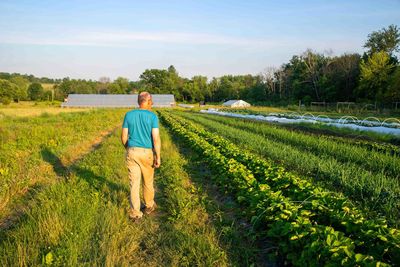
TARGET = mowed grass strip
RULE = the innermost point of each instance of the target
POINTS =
(374, 192)
(83, 220)
(32, 111)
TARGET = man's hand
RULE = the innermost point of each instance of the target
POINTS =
(124, 137)
(157, 162)
(157, 147)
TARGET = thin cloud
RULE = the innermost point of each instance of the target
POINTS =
(126, 39)
(132, 39)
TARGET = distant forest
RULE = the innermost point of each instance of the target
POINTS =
(308, 77)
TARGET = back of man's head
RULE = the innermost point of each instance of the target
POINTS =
(143, 97)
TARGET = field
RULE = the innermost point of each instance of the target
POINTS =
(29, 109)
(230, 192)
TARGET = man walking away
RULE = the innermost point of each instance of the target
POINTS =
(141, 137)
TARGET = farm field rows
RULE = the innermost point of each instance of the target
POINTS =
(273, 195)
(360, 173)
(230, 193)
(339, 125)
(333, 114)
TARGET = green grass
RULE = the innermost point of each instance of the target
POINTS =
(23, 142)
(372, 191)
(82, 218)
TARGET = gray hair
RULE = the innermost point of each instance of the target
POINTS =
(143, 97)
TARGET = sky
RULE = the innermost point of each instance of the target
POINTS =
(89, 39)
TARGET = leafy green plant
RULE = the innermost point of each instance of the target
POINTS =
(288, 223)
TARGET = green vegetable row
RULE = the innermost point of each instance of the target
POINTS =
(329, 208)
(386, 148)
(301, 240)
(372, 191)
(373, 161)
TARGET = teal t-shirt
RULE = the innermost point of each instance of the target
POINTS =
(139, 123)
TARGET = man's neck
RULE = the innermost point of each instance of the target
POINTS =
(144, 107)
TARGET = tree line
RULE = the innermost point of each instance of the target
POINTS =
(308, 77)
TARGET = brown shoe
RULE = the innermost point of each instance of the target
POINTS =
(135, 219)
(150, 210)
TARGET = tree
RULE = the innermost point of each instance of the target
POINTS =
(7, 90)
(343, 75)
(22, 87)
(174, 82)
(315, 65)
(270, 79)
(63, 89)
(115, 88)
(123, 84)
(258, 91)
(386, 40)
(200, 88)
(35, 91)
(104, 79)
(213, 87)
(155, 80)
(163, 81)
(280, 77)
(374, 76)
(101, 86)
(393, 92)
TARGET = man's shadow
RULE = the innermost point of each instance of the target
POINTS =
(110, 189)
(115, 192)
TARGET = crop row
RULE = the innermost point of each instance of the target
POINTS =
(373, 191)
(288, 223)
(328, 208)
(372, 160)
(387, 148)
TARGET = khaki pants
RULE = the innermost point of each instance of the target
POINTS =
(140, 164)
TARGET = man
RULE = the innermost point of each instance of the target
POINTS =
(141, 137)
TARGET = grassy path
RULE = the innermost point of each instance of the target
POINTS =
(82, 220)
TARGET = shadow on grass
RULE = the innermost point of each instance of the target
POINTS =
(109, 188)
(18, 214)
(55, 162)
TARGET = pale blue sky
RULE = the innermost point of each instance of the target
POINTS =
(90, 39)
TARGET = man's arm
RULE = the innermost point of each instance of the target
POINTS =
(155, 133)
(124, 137)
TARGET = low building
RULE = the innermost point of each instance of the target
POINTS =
(115, 101)
(236, 104)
